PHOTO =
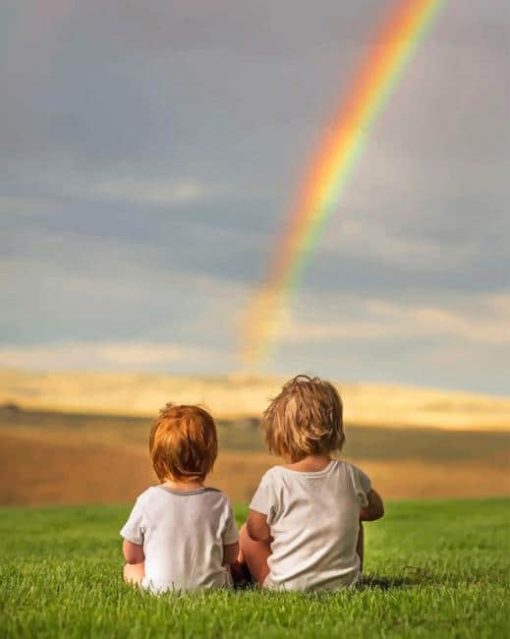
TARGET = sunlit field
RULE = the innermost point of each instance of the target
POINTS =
(57, 458)
(235, 397)
(433, 569)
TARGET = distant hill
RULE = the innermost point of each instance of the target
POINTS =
(241, 397)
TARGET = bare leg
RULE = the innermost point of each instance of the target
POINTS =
(360, 546)
(255, 555)
(134, 573)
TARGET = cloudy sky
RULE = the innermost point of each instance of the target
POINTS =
(151, 152)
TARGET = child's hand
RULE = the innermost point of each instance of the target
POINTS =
(375, 508)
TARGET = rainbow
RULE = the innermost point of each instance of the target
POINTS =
(332, 167)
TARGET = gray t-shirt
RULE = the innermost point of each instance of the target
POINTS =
(182, 534)
(314, 522)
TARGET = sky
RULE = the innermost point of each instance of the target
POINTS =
(150, 156)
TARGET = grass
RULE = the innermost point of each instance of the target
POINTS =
(435, 569)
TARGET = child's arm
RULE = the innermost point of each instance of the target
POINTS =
(230, 553)
(257, 527)
(133, 553)
(375, 508)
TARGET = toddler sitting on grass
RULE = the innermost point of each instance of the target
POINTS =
(181, 535)
(304, 525)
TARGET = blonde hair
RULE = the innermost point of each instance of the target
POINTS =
(183, 443)
(306, 418)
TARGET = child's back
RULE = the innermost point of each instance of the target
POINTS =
(181, 535)
(314, 522)
(303, 530)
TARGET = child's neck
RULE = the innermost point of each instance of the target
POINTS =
(309, 464)
(183, 485)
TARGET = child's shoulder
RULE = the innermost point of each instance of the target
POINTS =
(159, 491)
(279, 474)
(346, 465)
(273, 473)
(148, 495)
(351, 470)
(216, 493)
(336, 466)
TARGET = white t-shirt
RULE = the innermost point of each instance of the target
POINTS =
(314, 522)
(182, 534)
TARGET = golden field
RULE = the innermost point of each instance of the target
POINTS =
(75, 438)
(59, 458)
(238, 397)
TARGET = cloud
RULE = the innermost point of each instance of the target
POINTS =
(137, 189)
(150, 176)
(27, 206)
(106, 355)
(376, 242)
(480, 319)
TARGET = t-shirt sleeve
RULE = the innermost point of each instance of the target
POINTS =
(264, 501)
(230, 533)
(362, 485)
(134, 528)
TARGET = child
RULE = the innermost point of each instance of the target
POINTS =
(181, 535)
(303, 530)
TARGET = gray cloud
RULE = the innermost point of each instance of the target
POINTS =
(148, 148)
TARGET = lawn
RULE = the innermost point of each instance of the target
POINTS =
(434, 569)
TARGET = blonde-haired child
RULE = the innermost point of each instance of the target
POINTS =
(304, 525)
(181, 535)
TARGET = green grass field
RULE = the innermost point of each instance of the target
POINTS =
(434, 569)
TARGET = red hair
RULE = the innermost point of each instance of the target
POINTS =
(183, 443)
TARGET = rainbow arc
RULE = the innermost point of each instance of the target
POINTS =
(332, 167)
